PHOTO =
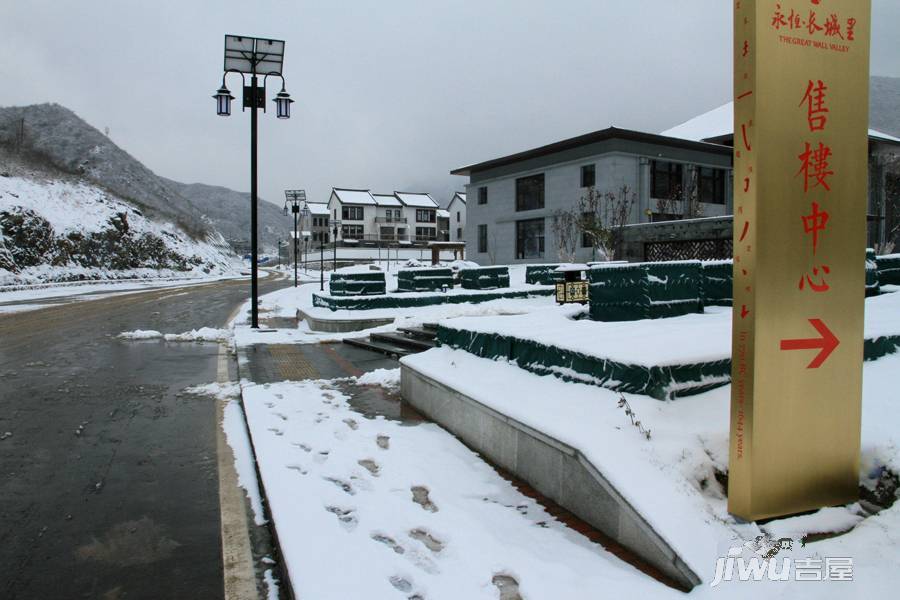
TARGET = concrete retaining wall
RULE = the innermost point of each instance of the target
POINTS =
(555, 469)
(341, 325)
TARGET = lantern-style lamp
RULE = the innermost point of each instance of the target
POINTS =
(283, 104)
(223, 101)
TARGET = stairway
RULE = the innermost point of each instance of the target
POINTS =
(406, 340)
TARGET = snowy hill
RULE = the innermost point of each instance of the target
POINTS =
(229, 212)
(54, 135)
(58, 222)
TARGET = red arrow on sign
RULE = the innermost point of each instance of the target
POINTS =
(826, 344)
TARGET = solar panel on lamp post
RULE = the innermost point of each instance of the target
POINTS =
(254, 57)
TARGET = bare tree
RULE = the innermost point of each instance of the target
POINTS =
(492, 246)
(892, 205)
(565, 227)
(602, 219)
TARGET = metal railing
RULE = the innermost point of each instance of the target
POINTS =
(390, 220)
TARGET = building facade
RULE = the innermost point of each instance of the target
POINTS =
(514, 198)
(457, 210)
(401, 217)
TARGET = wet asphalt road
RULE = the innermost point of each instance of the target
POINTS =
(108, 483)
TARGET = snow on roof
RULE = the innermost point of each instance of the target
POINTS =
(317, 208)
(443, 213)
(719, 122)
(386, 200)
(346, 196)
(416, 200)
(460, 195)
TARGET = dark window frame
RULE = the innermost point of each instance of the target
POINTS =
(530, 192)
(429, 213)
(666, 179)
(483, 195)
(482, 239)
(588, 175)
(522, 252)
(711, 185)
(358, 232)
(348, 213)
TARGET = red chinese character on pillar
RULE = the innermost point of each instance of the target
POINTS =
(814, 223)
(814, 98)
(851, 25)
(833, 27)
(815, 166)
(816, 286)
(812, 26)
(778, 20)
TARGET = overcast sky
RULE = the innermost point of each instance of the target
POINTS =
(391, 94)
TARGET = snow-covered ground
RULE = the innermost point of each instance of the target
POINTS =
(371, 508)
(670, 478)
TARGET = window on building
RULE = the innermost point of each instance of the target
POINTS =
(665, 180)
(482, 195)
(320, 237)
(530, 192)
(457, 216)
(352, 232)
(482, 239)
(588, 176)
(712, 185)
(459, 233)
(425, 233)
(530, 238)
(425, 215)
(352, 213)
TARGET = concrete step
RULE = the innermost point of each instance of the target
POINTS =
(397, 339)
(418, 332)
(430, 327)
(382, 347)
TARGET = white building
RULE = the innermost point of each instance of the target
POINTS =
(457, 210)
(404, 217)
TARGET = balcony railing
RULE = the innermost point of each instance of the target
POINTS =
(390, 220)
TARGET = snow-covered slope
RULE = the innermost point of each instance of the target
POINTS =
(60, 227)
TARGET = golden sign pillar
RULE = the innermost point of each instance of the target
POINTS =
(801, 97)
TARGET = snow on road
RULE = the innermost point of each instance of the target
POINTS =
(371, 508)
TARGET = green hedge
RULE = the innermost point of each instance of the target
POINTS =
(484, 278)
(658, 382)
(424, 280)
(674, 288)
(357, 284)
(618, 292)
(403, 301)
(873, 287)
(716, 279)
(888, 269)
(661, 382)
(543, 275)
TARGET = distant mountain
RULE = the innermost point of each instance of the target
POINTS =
(229, 212)
(884, 105)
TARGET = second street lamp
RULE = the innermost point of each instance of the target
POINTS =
(253, 56)
(293, 199)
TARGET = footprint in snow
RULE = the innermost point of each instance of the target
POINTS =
(276, 431)
(303, 447)
(344, 485)
(369, 465)
(389, 542)
(431, 542)
(346, 516)
(351, 424)
(420, 497)
(508, 587)
(383, 441)
(270, 405)
(281, 416)
(297, 468)
(321, 457)
(279, 396)
(401, 584)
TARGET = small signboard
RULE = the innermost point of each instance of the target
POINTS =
(801, 97)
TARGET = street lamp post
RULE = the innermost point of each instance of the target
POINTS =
(334, 233)
(253, 56)
(322, 260)
(293, 199)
